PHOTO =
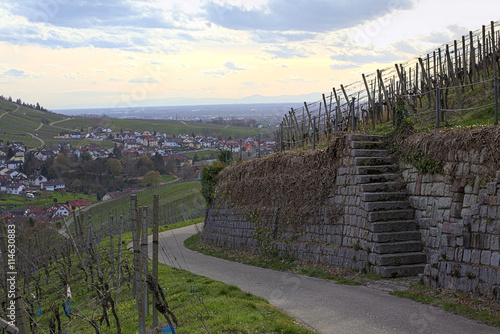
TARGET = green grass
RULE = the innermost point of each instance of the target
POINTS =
(43, 199)
(165, 126)
(481, 310)
(199, 303)
(280, 263)
(167, 178)
(19, 137)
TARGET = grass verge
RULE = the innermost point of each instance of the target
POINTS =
(280, 263)
(474, 308)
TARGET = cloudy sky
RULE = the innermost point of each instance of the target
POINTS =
(114, 53)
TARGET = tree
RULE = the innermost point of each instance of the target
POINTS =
(29, 163)
(85, 156)
(114, 166)
(186, 173)
(144, 165)
(224, 156)
(195, 158)
(76, 184)
(151, 178)
(158, 163)
(209, 180)
(10, 153)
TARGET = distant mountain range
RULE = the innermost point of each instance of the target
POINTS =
(185, 101)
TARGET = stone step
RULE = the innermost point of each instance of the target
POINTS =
(381, 187)
(398, 247)
(387, 205)
(373, 161)
(368, 145)
(364, 137)
(382, 216)
(398, 259)
(377, 178)
(369, 153)
(382, 169)
(384, 196)
(401, 271)
(393, 226)
(396, 236)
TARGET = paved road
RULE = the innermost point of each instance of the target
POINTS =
(320, 304)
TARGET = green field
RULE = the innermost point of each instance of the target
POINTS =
(165, 126)
(44, 199)
(28, 140)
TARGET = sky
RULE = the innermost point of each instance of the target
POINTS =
(131, 53)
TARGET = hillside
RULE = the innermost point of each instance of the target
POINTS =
(36, 128)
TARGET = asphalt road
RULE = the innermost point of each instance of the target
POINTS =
(320, 304)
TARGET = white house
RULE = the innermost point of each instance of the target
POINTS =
(37, 180)
(62, 210)
(15, 188)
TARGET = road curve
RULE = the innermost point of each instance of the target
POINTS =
(320, 304)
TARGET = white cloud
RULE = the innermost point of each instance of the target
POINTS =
(301, 15)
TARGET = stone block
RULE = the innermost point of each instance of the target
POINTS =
(491, 188)
(444, 203)
(474, 209)
(467, 256)
(484, 241)
(450, 241)
(475, 256)
(495, 242)
(482, 198)
(486, 257)
(483, 211)
(446, 227)
(495, 259)
(438, 189)
(491, 227)
(474, 226)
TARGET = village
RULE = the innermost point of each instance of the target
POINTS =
(30, 182)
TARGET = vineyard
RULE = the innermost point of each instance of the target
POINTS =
(82, 281)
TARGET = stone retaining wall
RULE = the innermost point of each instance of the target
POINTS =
(459, 218)
(336, 234)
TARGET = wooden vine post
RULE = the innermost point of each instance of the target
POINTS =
(156, 207)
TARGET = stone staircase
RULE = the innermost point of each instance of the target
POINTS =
(396, 246)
